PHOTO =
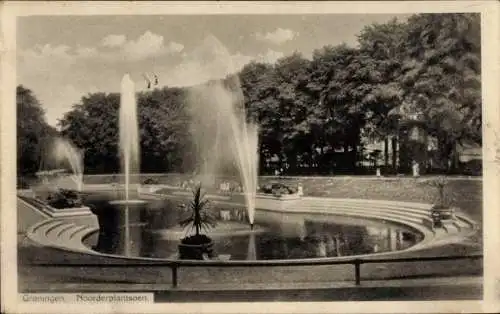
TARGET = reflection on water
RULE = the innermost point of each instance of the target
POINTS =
(285, 236)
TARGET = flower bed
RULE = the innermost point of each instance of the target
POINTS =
(278, 189)
(61, 199)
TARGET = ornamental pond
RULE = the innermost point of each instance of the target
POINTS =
(151, 229)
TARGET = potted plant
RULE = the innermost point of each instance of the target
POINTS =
(197, 245)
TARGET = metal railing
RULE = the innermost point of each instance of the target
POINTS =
(174, 265)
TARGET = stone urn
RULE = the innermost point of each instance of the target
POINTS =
(443, 212)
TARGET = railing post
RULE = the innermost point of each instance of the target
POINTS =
(174, 275)
(357, 271)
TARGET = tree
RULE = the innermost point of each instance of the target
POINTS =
(260, 90)
(383, 43)
(163, 124)
(442, 77)
(33, 132)
(325, 119)
(92, 125)
(294, 99)
(339, 78)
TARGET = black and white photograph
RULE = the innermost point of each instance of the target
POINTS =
(160, 155)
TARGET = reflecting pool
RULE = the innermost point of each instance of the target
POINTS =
(151, 229)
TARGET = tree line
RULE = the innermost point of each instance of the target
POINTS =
(315, 115)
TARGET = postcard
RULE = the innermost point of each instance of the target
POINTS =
(227, 157)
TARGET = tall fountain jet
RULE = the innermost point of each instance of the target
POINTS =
(129, 155)
(220, 128)
(129, 138)
(244, 146)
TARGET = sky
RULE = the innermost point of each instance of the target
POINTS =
(62, 58)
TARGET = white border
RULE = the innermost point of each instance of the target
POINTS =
(491, 79)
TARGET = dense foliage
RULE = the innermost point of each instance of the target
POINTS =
(278, 189)
(64, 199)
(315, 115)
(33, 132)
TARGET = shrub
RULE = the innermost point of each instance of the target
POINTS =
(64, 199)
(278, 189)
(150, 181)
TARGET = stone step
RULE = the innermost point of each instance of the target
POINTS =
(50, 233)
(76, 241)
(48, 228)
(450, 227)
(367, 205)
(43, 224)
(335, 210)
(61, 234)
(38, 232)
(370, 202)
(439, 232)
(68, 235)
(416, 210)
(359, 213)
(384, 209)
(463, 220)
(62, 231)
(461, 225)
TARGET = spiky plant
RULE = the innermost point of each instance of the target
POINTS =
(199, 217)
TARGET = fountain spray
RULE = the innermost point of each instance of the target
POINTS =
(64, 152)
(219, 125)
(129, 138)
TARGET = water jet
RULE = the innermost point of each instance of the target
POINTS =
(129, 136)
(224, 136)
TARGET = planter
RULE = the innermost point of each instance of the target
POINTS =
(444, 213)
(195, 251)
